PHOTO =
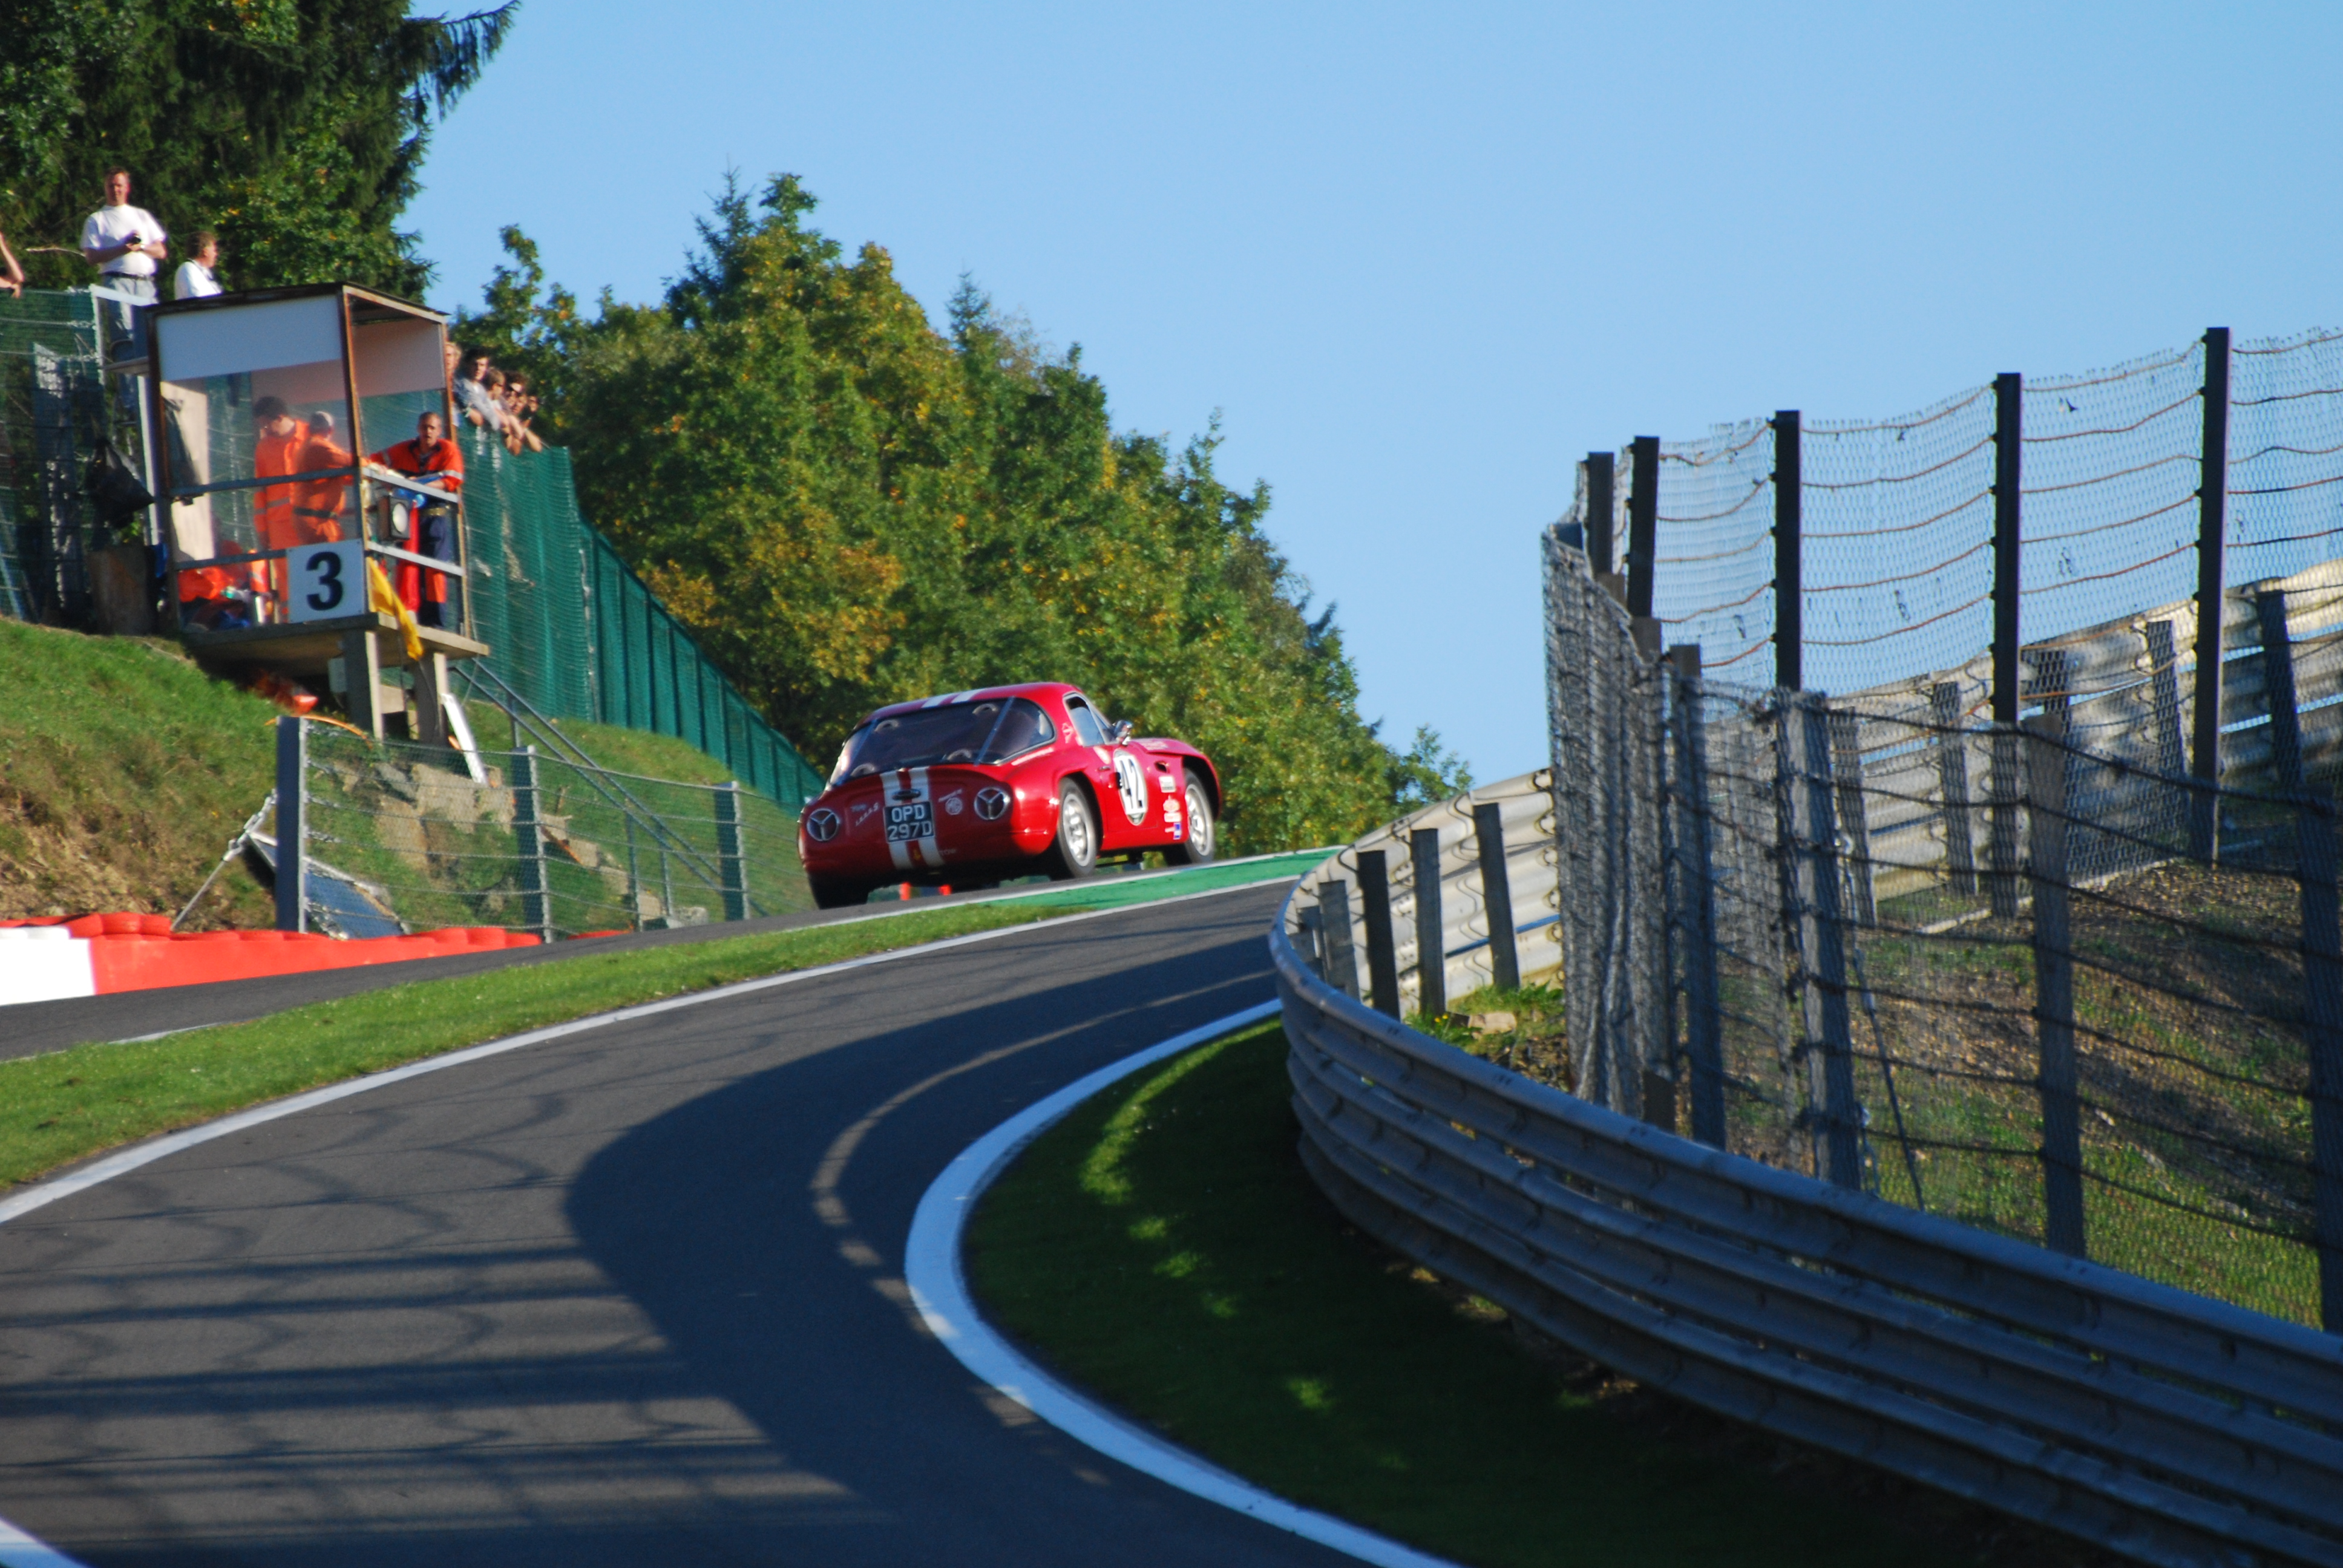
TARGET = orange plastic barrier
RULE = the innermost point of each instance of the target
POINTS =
(141, 952)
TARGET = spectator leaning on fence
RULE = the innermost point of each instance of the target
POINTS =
(123, 242)
(12, 276)
(520, 406)
(473, 401)
(196, 279)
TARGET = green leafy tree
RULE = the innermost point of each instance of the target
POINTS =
(1427, 772)
(851, 506)
(295, 128)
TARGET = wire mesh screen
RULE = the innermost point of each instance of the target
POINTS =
(2111, 475)
(1898, 530)
(55, 406)
(1898, 524)
(1601, 715)
(434, 838)
(2285, 454)
(1715, 579)
(1983, 971)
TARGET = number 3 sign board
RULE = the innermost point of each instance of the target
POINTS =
(326, 582)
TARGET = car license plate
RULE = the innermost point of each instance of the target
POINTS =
(912, 819)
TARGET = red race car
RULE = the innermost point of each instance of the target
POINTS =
(1009, 781)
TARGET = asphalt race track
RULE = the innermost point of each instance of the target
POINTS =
(631, 1296)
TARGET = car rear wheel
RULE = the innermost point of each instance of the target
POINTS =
(839, 892)
(1203, 837)
(1075, 852)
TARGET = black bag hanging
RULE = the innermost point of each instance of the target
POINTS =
(115, 487)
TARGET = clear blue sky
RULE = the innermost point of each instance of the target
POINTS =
(1424, 259)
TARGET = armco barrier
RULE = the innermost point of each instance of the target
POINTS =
(2169, 1427)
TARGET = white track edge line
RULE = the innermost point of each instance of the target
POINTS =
(20, 1550)
(931, 1268)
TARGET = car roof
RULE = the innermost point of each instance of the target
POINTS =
(1036, 689)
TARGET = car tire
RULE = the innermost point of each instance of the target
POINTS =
(838, 892)
(1202, 839)
(1074, 852)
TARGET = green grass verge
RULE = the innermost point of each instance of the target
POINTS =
(1162, 1247)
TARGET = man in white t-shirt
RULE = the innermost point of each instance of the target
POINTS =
(123, 242)
(196, 279)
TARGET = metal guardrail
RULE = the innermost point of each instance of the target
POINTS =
(1374, 889)
(2168, 1427)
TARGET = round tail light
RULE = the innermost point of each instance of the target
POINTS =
(992, 802)
(821, 824)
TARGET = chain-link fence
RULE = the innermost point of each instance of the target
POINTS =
(1995, 973)
(55, 409)
(424, 837)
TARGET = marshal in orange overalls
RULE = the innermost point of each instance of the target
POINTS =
(306, 511)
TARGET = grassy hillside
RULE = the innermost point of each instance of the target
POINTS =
(124, 773)
(125, 770)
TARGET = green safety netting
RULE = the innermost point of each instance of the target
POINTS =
(577, 635)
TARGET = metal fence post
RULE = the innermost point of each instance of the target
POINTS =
(1696, 893)
(1822, 936)
(1374, 897)
(2212, 533)
(1497, 895)
(634, 879)
(731, 853)
(2322, 973)
(1789, 571)
(1334, 929)
(1953, 783)
(535, 903)
(1311, 942)
(1431, 943)
(292, 825)
(2008, 456)
(2277, 689)
(1643, 526)
(1846, 768)
(1601, 499)
(2053, 988)
(2006, 790)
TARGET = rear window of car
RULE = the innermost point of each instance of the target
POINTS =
(991, 732)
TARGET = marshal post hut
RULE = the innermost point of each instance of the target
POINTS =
(292, 552)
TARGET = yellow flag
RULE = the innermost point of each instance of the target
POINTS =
(386, 598)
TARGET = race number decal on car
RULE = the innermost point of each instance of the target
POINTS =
(1131, 782)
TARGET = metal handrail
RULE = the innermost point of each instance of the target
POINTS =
(2169, 1427)
(616, 795)
(447, 568)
